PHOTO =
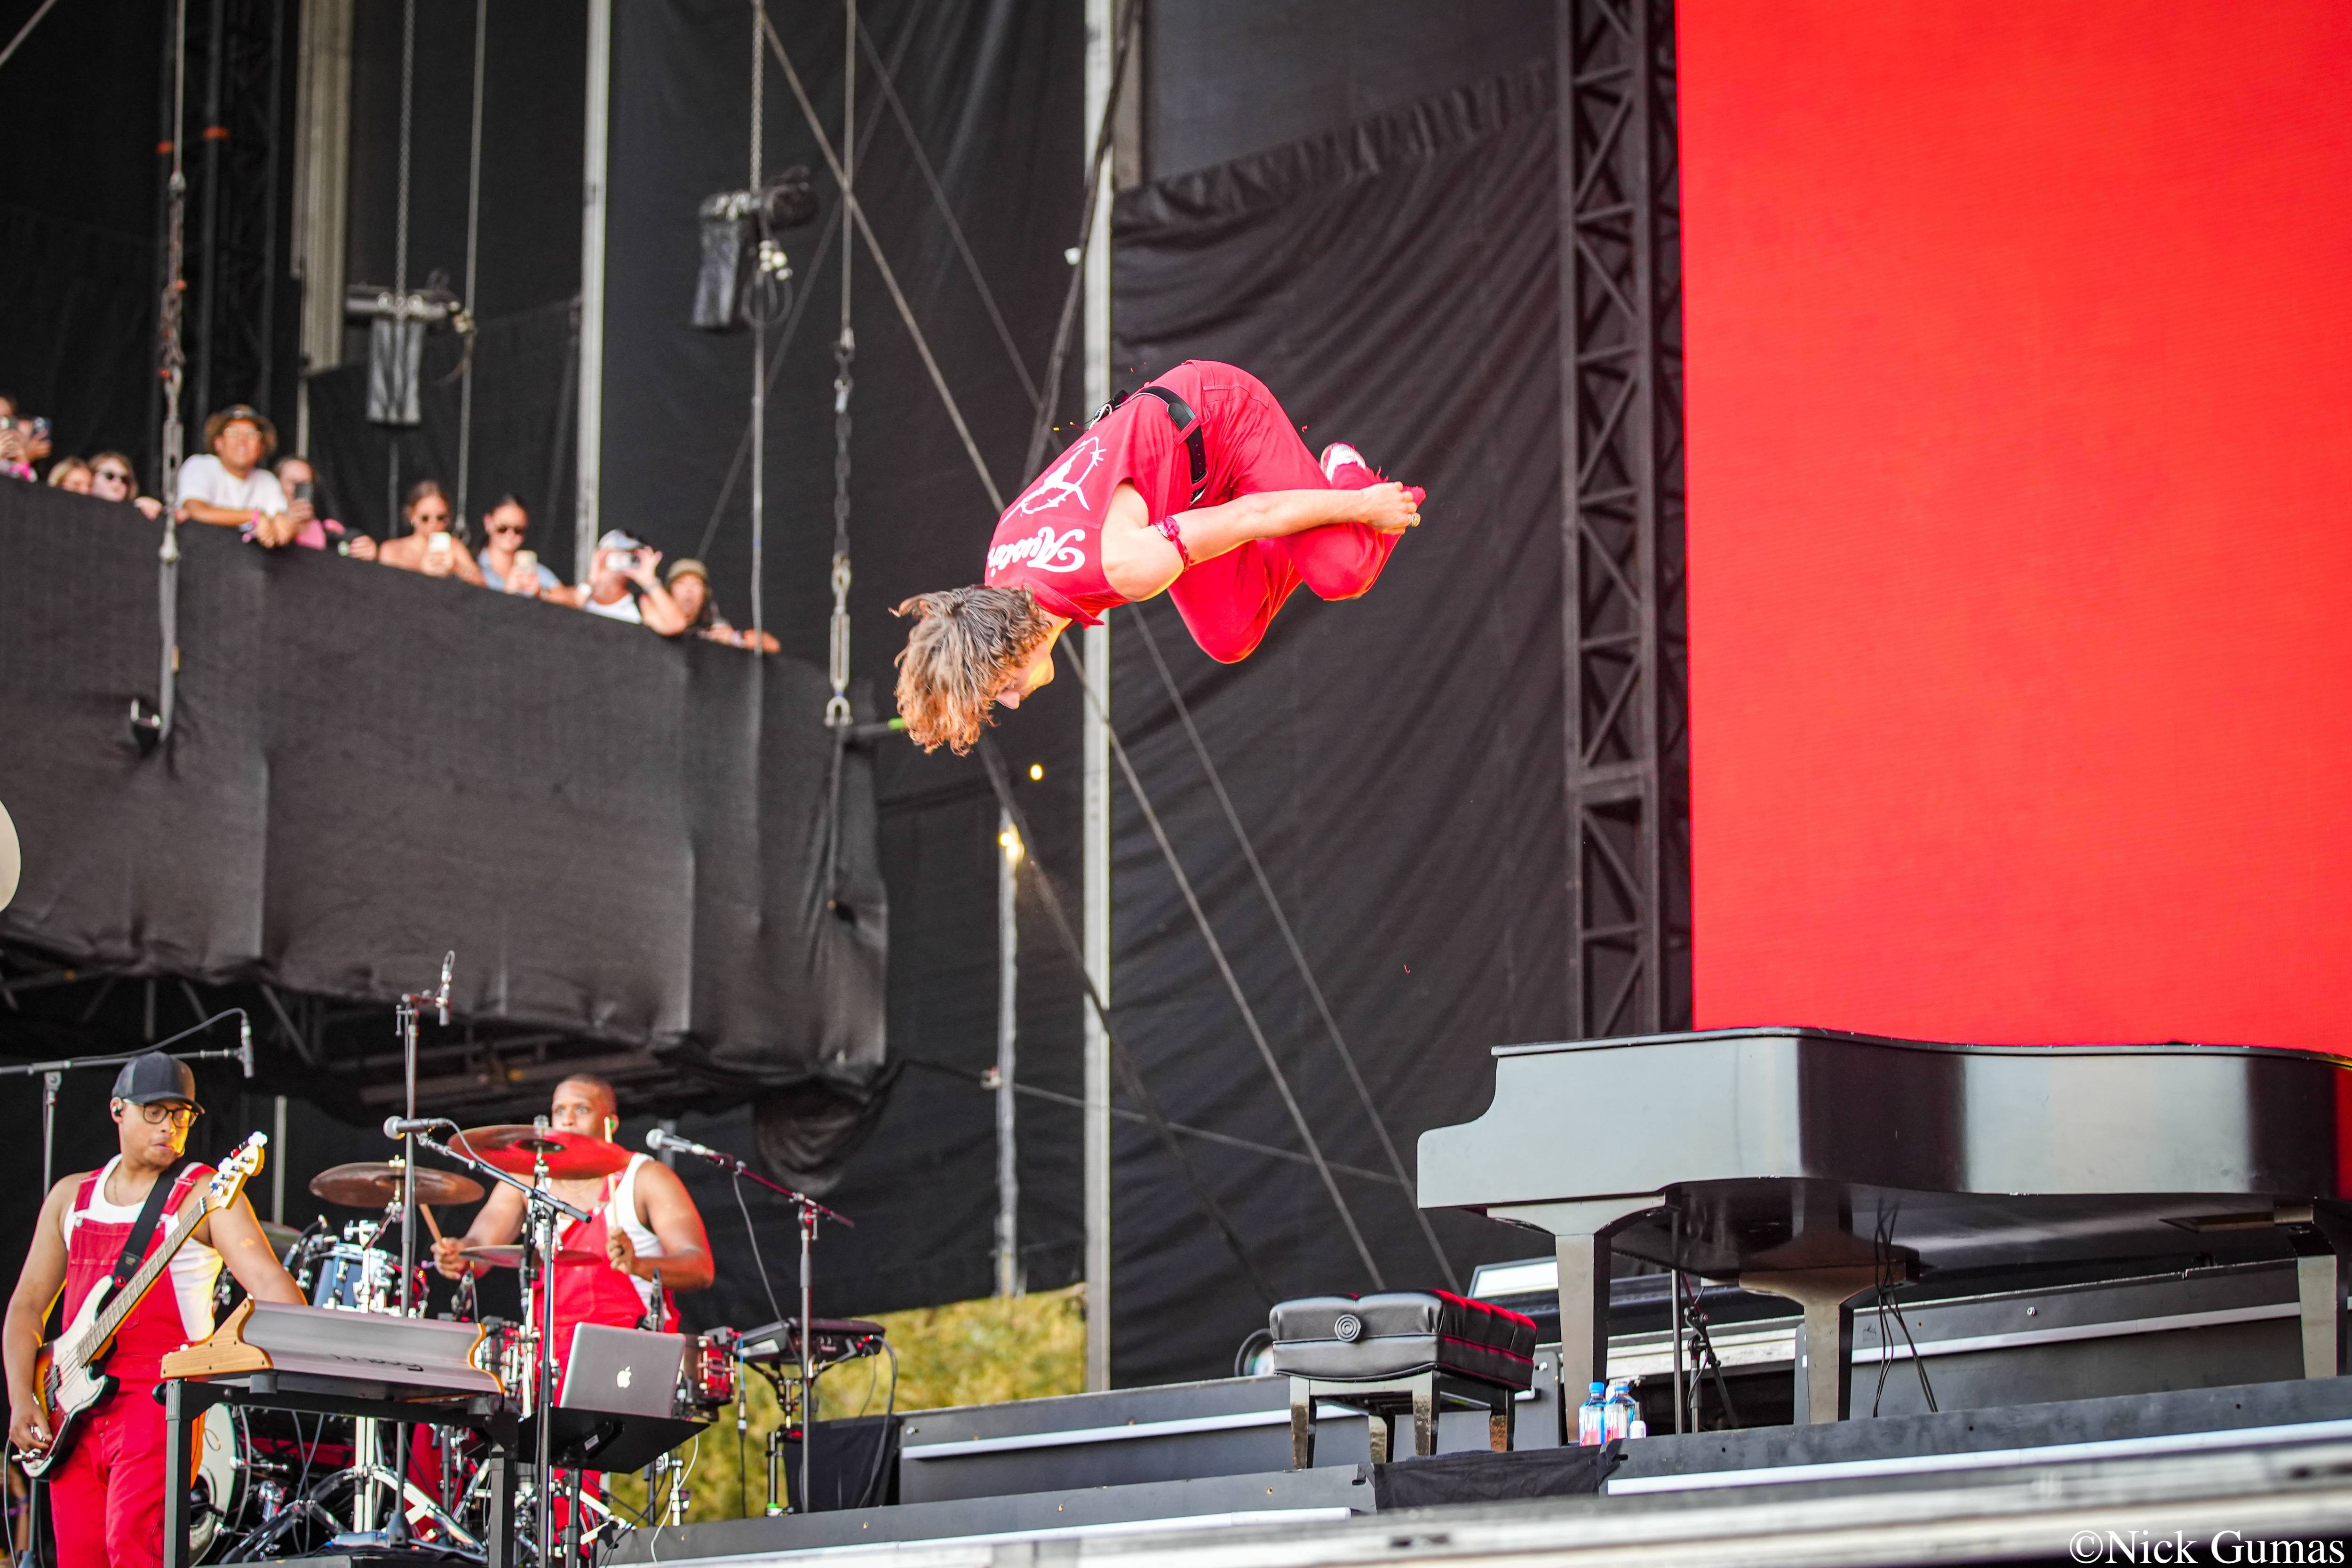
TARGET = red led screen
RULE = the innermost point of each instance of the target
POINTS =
(2020, 463)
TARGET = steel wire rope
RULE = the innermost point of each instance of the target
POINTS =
(889, 278)
(1225, 971)
(401, 384)
(1122, 1061)
(822, 250)
(1045, 422)
(1290, 941)
(22, 34)
(473, 235)
(947, 212)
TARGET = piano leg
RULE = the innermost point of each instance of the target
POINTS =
(1580, 1232)
(1825, 1344)
(178, 1418)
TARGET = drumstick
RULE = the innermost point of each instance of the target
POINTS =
(430, 1223)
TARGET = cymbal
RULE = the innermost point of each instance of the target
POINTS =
(508, 1255)
(372, 1183)
(515, 1149)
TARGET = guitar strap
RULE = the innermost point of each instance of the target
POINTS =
(134, 1251)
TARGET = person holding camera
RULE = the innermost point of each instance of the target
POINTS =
(621, 586)
(230, 489)
(429, 547)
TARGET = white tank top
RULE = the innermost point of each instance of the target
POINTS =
(195, 1269)
(622, 1209)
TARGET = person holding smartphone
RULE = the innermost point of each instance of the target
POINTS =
(506, 565)
(300, 480)
(429, 547)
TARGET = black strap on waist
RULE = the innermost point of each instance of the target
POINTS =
(1187, 425)
(150, 1214)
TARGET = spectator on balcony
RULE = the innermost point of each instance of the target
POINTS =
(504, 528)
(621, 586)
(22, 444)
(70, 474)
(689, 586)
(111, 478)
(230, 489)
(300, 480)
(429, 547)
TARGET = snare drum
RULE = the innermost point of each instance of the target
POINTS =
(706, 1379)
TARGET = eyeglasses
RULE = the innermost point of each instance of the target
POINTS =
(514, 527)
(117, 475)
(157, 1115)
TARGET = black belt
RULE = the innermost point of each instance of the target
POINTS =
(1182, 413)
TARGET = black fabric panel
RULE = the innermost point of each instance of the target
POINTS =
(1397, 759)
(995, 91)
(1230, 78)
(90, 368)
(622, 838)
(522, 433)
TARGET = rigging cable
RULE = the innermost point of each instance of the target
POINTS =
(473, 232)
(170, 314)
(1045, 425)
(759, 314)
(882, 267)
(844, 354)
(1122, 1061)
(1225, 971)
(1290, 940)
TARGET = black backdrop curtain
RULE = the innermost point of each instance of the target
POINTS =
(1397, 760)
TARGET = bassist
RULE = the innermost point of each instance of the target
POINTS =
(107, 1495)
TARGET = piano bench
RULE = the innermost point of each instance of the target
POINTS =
(1400, 1353)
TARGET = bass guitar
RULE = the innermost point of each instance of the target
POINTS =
(69, 1376)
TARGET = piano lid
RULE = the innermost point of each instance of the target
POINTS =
(1589, 1119)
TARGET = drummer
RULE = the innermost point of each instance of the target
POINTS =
(642, 1240)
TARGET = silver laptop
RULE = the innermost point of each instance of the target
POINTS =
(627, 1372)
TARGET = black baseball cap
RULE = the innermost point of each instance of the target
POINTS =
(145, 1080)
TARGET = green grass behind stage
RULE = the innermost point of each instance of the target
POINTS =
(973, 1352)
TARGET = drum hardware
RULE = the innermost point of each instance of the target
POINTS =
(707, 1381)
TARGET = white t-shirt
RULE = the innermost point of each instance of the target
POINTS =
(195, 1269)
(203, 479)
(623, 608)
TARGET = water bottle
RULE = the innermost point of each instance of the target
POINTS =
(1589, 1418)
(1617, 1414)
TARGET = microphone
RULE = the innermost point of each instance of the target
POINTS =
(402, 1126)
(448, 962)
(244, 1042)
(657, 1140)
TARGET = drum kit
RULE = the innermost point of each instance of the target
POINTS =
(274, 1484)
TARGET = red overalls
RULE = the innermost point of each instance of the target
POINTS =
(106, 1501)
(595, 1293)
(1049, 539)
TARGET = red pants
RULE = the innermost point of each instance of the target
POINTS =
(106, 1501)
(1228, 602)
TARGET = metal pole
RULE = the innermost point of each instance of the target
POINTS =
(808, 1353)
(592, 286)
(1008, 1012)
(473, 306)
(759, 332)
(277, 1165)
(1674, 1283)
(1093, 745)
(49, 1081)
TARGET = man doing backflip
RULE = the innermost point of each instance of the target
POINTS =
(1197, 485)
(107, 1497)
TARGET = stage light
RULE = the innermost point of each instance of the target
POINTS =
(1036, 772)
(741, 262)
(1009, 842)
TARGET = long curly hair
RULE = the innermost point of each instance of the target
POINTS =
(964, 645)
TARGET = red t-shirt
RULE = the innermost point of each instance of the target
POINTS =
(1050, 539)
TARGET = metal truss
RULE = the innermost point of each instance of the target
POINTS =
(1621, 367)
(239, 82)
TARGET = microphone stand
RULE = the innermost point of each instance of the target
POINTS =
(543, 1206)
(53, 1076)
(808, 1212)
(395, 1527)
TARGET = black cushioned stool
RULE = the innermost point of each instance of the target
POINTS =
(1403, 1351)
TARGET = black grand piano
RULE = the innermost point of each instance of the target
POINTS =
(1820, 1166)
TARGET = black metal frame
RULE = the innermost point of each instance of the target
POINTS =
(1620, 366)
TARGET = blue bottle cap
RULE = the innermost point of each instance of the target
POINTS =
(1599, 1388)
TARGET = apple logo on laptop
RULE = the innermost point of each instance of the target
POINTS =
(623, 1380)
